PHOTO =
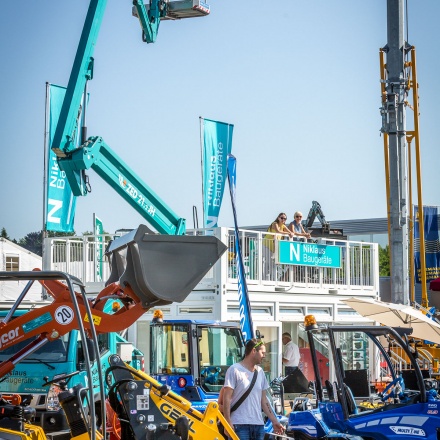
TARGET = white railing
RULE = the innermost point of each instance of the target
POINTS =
(84, 258)
(358, 271)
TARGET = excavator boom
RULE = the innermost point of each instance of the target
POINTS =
(147, 270)
(325, 231)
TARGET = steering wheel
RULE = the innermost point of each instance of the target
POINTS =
(61, 378)
(211, 374)
(393, 389)
(411, 393)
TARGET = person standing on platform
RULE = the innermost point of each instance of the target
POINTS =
(297, 228)
(291, 354)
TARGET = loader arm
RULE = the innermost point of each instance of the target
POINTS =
(164, 406)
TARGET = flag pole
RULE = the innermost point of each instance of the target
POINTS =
(45, 167)
(201, 122)
(246, 324)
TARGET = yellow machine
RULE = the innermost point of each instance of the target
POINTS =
(139, 407)
(148, 409)
(30, 432)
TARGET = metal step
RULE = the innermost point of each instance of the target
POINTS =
(177, 9)
(59, 435)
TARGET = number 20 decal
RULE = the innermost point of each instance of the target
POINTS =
(64, 315)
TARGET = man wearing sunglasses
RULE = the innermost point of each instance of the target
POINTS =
(246, 418)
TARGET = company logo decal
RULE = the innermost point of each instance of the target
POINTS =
(174, 414)
(8, 337)
(408, 430)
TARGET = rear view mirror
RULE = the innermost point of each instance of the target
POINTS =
(80, 355)
(91, 349)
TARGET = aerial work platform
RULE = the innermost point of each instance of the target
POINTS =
(178, 9)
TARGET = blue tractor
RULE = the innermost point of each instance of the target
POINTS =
(405, 406)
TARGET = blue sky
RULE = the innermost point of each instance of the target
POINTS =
(299, 80)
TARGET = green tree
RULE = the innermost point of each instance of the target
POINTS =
(4, 234)
(384, 261)
(52, 234)
(34, 240)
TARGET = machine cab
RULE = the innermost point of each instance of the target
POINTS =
(192, 356)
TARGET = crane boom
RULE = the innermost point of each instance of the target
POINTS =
(94, 152)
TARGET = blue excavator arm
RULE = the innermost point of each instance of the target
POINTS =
(315, 211)
(94, 153)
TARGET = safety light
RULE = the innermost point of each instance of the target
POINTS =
(310, 323)
(157, 316)
(181, 382)
(115, 306)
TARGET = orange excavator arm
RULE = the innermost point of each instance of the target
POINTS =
(147, 270)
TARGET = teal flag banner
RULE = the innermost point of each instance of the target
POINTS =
(309, 254)
(60, 202)
(217, 144)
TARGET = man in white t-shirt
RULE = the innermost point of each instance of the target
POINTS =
(291, 354)
(247, 420)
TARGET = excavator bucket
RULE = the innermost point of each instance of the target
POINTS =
(162, 269)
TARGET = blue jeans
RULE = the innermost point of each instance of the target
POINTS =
(249, 432)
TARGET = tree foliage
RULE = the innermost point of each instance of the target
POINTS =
(384, 261)
(4, 234)
(33, 241)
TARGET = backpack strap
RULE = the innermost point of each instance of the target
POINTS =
(246, 393)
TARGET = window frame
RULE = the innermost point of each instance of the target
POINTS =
(10, 264)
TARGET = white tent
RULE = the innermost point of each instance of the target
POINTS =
(13, 254)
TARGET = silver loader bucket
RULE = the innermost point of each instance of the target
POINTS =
(162, 269)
